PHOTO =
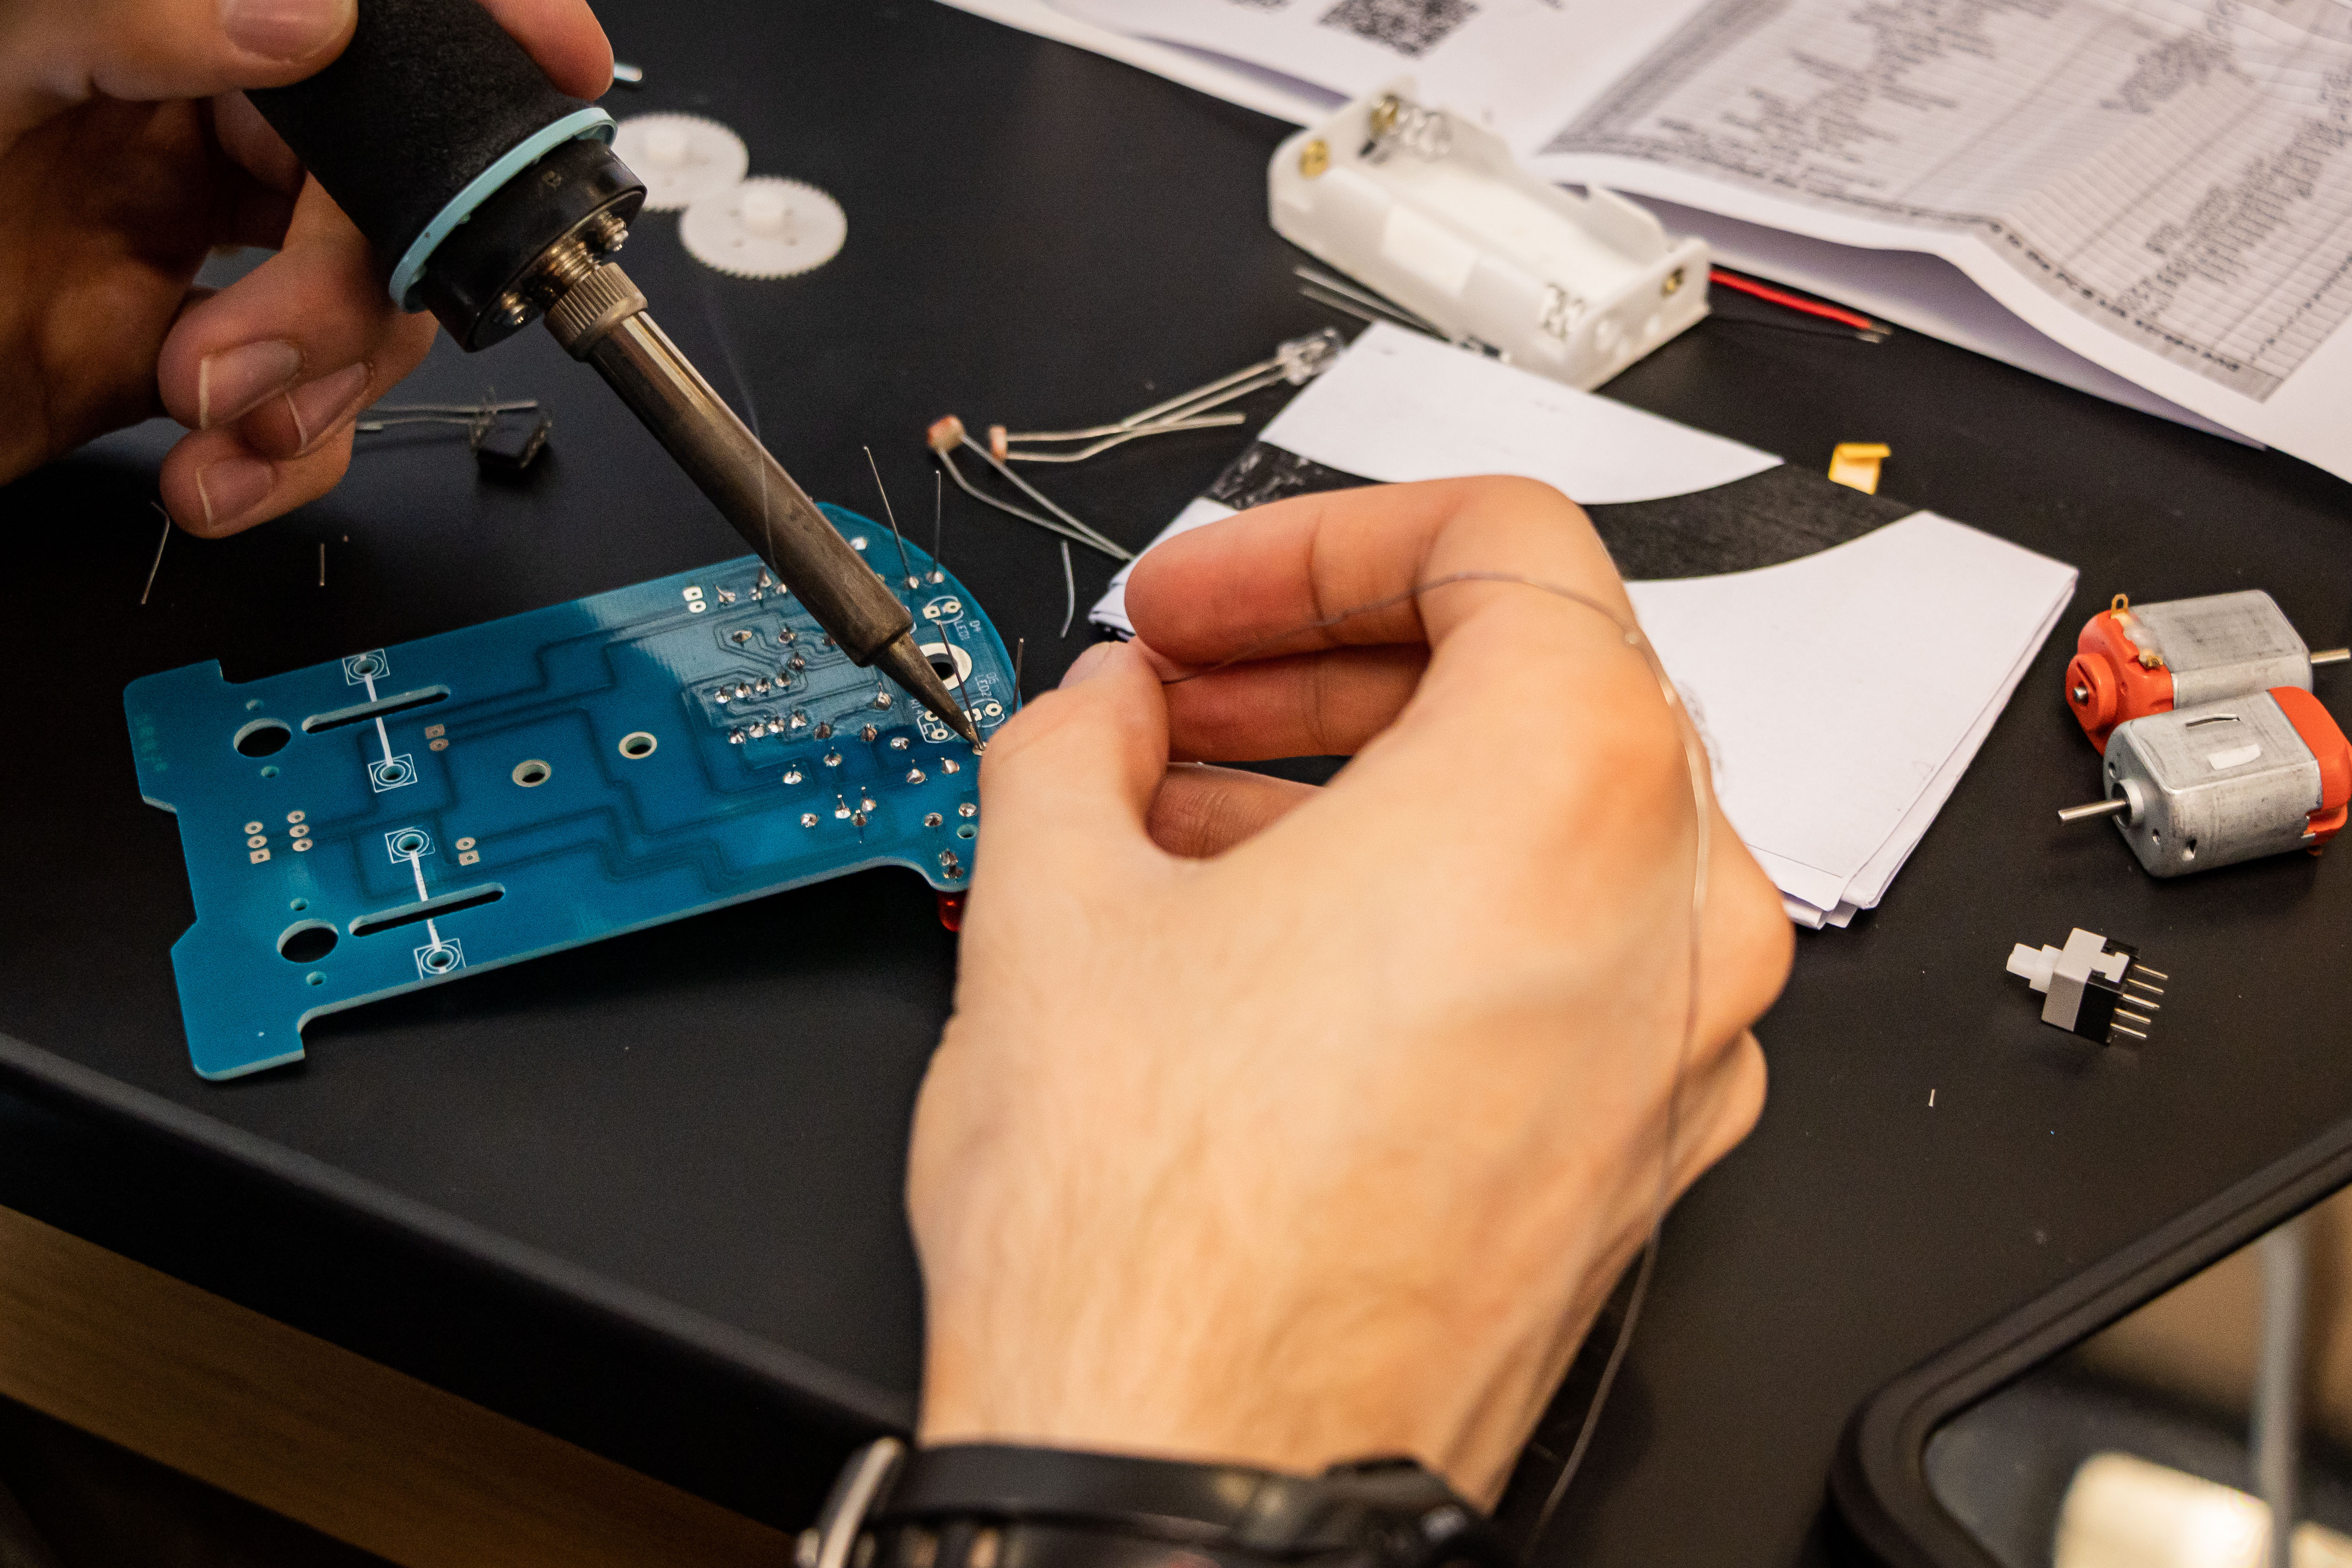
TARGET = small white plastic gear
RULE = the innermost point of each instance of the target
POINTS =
(680, 157)
(764, 228)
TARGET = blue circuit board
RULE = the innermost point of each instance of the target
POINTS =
(411, 814)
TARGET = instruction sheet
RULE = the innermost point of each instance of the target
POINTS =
(2163, 187)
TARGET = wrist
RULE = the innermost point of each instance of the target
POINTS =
(1456, 1399)
(992, 1505)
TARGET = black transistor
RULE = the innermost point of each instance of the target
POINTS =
(509, 446)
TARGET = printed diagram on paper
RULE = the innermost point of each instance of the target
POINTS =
(2177, 172)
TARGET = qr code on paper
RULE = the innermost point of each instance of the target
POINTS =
(1408, 27)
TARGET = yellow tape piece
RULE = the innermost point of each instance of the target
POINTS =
(1854, 464)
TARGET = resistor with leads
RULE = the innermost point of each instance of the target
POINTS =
(2223, 782)
(2133, 660)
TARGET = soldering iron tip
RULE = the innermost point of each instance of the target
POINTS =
(903, 662)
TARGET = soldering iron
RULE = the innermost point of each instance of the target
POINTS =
(492, 199)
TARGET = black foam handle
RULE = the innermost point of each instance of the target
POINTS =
(429, 94)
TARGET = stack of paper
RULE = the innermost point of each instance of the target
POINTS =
(2158, 192)
(1843, 684)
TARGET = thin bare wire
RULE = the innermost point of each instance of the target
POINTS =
(512, 406)
(1694, 768)
(1119, 437)
(1019, 647)
(158, 564)
(1069, 590)
(1331, 284)
(880, 489)
(1083, 533)
(1330, 301)
(946, 461)
(938, 526)
(376, 426)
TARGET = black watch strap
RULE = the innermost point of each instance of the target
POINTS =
(985, 1505)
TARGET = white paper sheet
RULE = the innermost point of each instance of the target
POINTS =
(2160, 188)
(1832, 758)
(1401, 406)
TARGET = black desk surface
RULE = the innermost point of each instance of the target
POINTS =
(646, 1194)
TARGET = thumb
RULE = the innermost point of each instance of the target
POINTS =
(1067, 783)
(59, 53)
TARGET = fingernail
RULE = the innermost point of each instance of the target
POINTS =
(1087, 664)
(232, 381)
(319, 406)
(285, 29)
(232, 487)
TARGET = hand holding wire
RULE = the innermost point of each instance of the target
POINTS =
(1331, 1138)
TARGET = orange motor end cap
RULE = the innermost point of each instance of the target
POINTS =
(2106, 684)
(2326, 738)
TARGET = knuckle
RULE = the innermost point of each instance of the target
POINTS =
(1047, 726)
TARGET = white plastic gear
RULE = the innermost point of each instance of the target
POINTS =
(680, 157)
(764, 228)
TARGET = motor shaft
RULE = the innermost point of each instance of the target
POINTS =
(600, 318)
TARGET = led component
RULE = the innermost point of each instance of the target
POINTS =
(1429, 209)
(2091, 987)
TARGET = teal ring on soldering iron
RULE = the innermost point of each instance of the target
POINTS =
(574, 127)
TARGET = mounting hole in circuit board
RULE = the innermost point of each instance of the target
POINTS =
(941, 654)
(262, 737)
(531, 773)
(305, 942)
(638, 744)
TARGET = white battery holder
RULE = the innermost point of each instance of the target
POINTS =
(1430, 209)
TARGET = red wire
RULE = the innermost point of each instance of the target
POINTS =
(1781, 297)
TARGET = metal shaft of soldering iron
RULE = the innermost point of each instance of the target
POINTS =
(601, 319)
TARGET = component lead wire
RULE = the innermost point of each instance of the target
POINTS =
(1340, 286)
(1069, 591)
(1118, 436)
(938, 526)
(913, 582)
(1333, 302)
(517, 406)
(158, 563)
(946, 461)
(1084, 534)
